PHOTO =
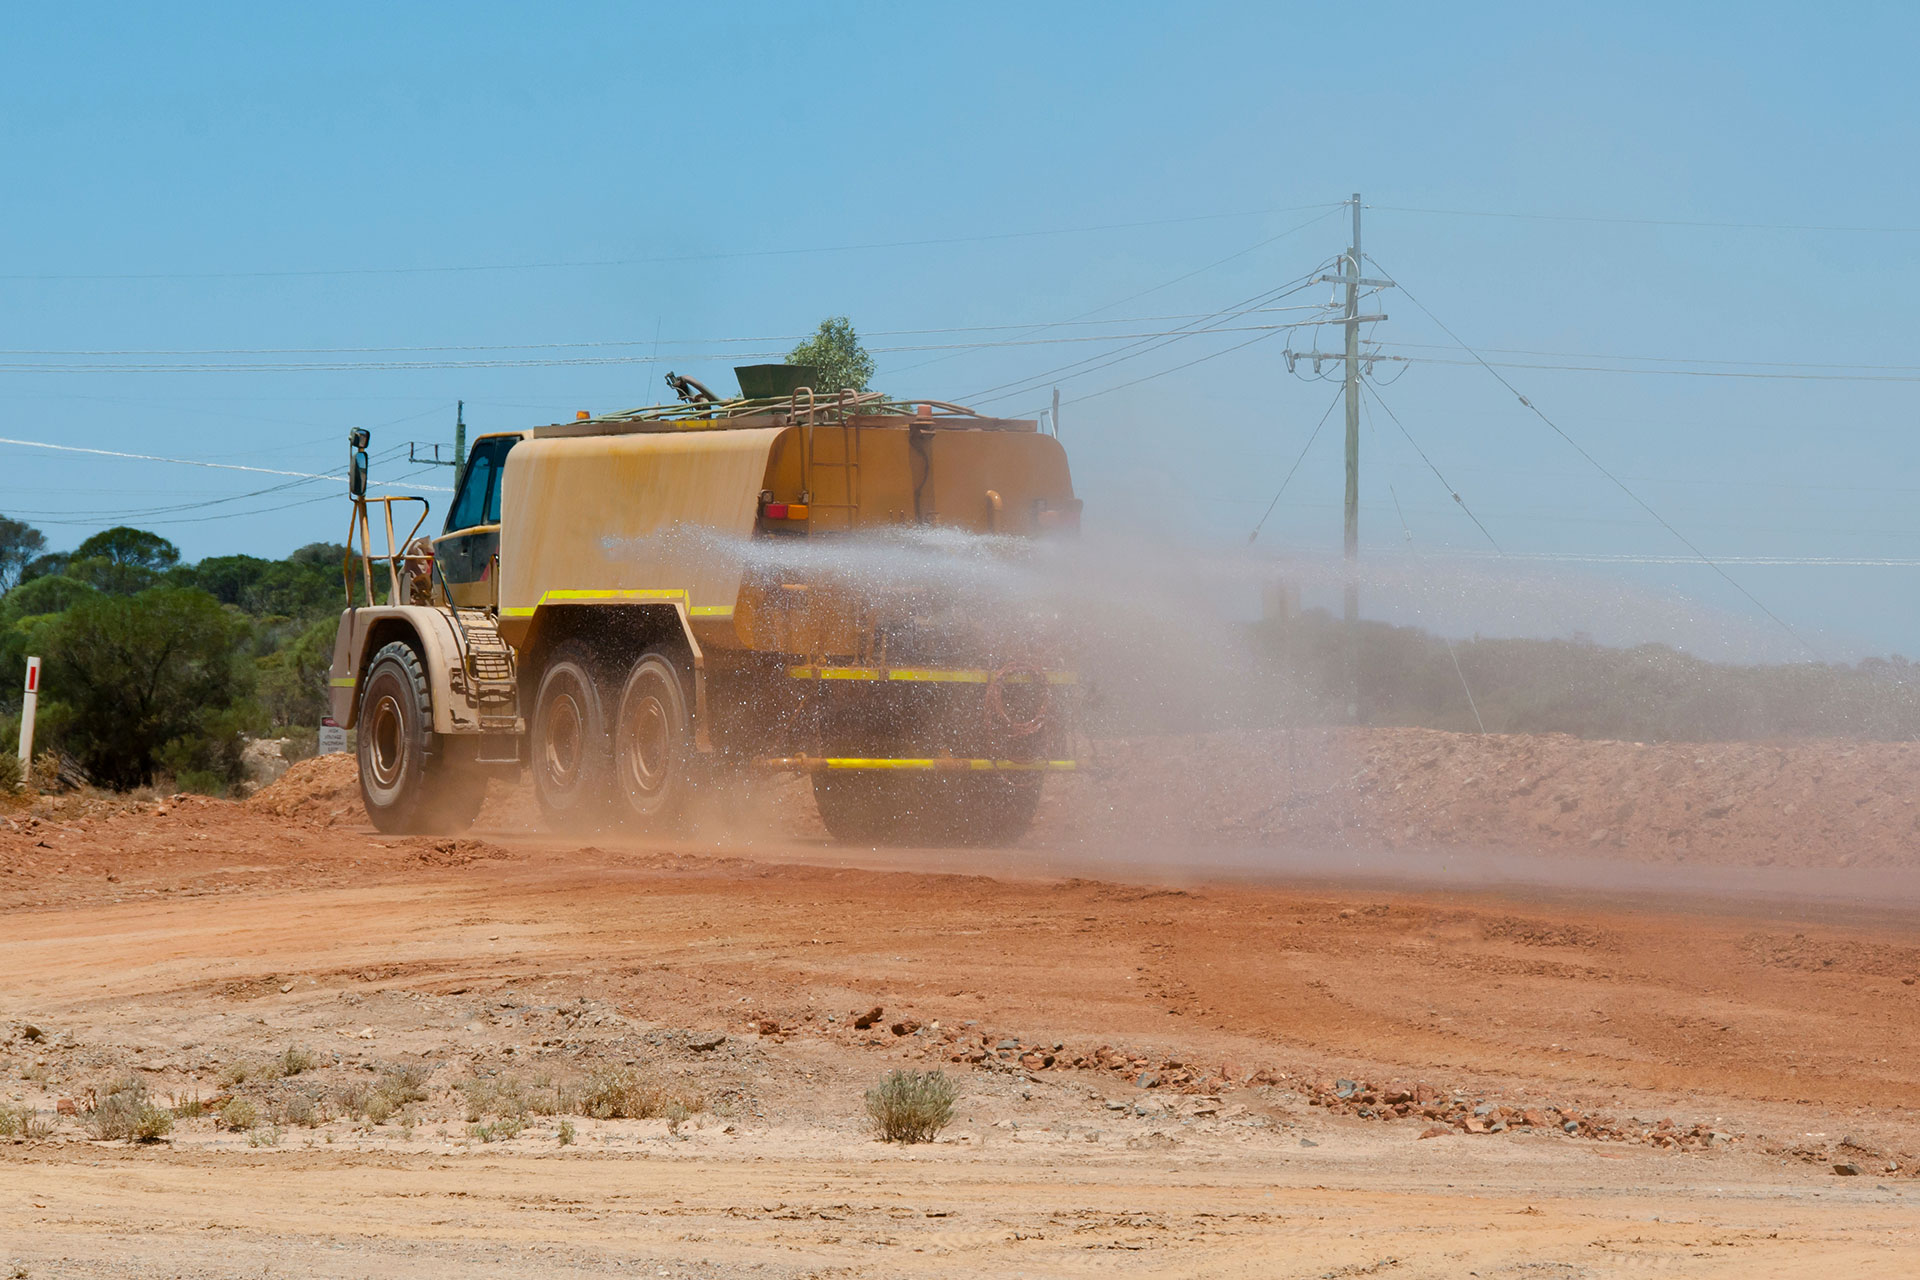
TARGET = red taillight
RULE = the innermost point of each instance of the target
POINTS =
(1061, 519)
(783, 511)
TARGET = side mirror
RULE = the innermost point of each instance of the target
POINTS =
(357, 441)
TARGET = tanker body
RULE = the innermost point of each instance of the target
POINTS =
(633, 608)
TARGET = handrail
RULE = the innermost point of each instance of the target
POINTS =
(361, 528)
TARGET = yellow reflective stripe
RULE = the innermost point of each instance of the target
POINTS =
(596, 595)
(859, 762)
(342, 682)
(920, 675)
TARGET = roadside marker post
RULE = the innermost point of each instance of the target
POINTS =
(28, 705)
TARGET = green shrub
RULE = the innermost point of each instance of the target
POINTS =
(239, 1115)
(912, 1106)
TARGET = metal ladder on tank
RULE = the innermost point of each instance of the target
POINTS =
(849, 460)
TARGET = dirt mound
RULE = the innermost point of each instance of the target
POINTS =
(1800, 804)
(320, 791)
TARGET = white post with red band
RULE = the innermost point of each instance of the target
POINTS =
(27, 706)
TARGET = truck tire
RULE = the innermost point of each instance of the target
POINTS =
(862, 807)
(570, 756)
(653, 753)
(991, 808)
(408, 783)
(868, 807)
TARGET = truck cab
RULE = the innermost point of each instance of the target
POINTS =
(466, 553)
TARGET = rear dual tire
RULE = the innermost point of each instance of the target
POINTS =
(867, 806)
(606, 754)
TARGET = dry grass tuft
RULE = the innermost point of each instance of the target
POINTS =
(513, 1096)
(127, 1113)
(397, 1088)
(239, 1115)
(297, 1109)
(498, 1131)
(622, 1093)
(23, 1122)
(912, 1106)
(294, 1060)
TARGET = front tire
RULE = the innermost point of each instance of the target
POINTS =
(409, 783)
(570, 756)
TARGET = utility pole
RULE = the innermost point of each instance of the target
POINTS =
(1353, 468)
(1352, 323)
(431, 454)
(1055, 421)
(460, 425)
(1357, 364)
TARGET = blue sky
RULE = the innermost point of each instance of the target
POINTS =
(264, 179)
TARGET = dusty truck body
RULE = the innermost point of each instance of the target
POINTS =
(631, 608)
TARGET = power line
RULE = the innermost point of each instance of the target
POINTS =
(1165, 284)
(603, 343)
(184, 462)
(1675, 373)
(1825, 562)
(1453, 492)
(391, 366)
(1649, 222)
(1594, 355)
(1139, 347)
(1407, 531)
(1215, 355)
(646, 261)
(1311, 437)
(1616, 480)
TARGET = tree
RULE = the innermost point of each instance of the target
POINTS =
(20, 544)
(129, 546)
(123, 560)
(153, 680)
(55, 593)
(46, 566)
(835, 353)
(293, 678)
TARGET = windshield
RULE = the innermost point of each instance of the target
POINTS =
(478, 501)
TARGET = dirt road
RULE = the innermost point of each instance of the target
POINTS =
(1195, 1079)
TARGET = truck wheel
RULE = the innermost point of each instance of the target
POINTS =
(569, 752)
(862, 807)
(406, 783)
(653, 754)
(989, 809)
(917, 809)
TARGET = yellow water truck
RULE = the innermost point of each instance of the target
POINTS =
(633, 607)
